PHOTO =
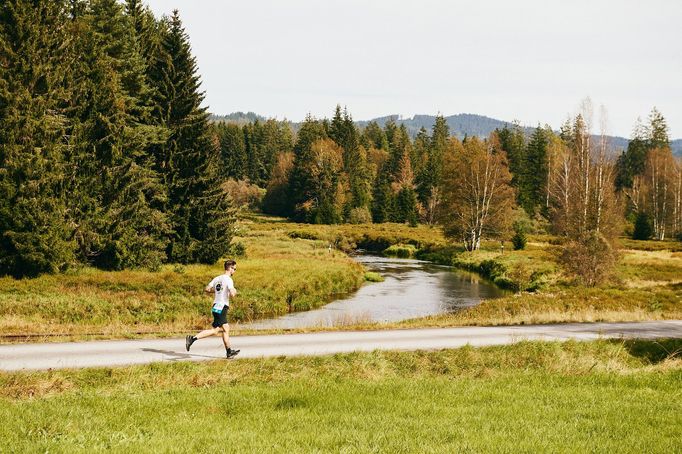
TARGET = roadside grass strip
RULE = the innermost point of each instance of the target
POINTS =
(602, 396)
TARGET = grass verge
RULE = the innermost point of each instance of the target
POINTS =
(604, 396)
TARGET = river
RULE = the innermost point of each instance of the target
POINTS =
(411, 289)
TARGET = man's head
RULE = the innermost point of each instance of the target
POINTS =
(230, 265)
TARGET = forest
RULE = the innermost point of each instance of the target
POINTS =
(108, 159)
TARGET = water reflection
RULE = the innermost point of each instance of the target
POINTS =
(411, 288)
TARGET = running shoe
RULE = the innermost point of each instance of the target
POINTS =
(189, 340)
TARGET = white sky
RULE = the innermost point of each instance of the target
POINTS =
(529, 60)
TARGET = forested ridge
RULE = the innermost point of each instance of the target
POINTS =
(108, 159)
(106, 156)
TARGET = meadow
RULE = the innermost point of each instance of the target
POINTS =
(278, 274)
(285, 267)
(601, 396)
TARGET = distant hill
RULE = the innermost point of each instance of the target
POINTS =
(676, 146)
(237, 117)
(460, 125)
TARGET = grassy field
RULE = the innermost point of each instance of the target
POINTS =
(290, 267)
(603, 396)
(279, 274)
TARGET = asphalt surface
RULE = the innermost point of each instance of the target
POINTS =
(127, 352)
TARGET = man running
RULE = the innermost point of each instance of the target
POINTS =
(223, 288)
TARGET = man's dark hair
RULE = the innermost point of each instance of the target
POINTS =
(229, 263)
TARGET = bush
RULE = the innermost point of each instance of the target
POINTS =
(360, 215)
(644, 228)
(519, 239)
(401, 250)
(371, 276)
(492, 269)
(590, 258)
(237, 249)
(243, 193)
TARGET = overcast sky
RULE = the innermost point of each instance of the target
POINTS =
(527, 60)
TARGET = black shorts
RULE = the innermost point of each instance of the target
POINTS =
(221, 318)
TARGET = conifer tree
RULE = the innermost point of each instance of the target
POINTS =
(232, 150)
(512, 141)
(429, 178)
(301, 179)
(532, 189)
(374, 137)
(201, 213)
(118, 208)
(35, 235)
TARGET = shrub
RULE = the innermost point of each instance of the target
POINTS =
(644, 228)
(519, 239)
(371, 276)
(360, 215)
(243, 193)
(401, 250)
(237, 249)
(590, 258)
(492, 269)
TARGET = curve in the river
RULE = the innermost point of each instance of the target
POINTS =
(411, 289)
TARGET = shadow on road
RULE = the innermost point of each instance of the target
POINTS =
(175, 356)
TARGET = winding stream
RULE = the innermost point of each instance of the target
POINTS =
(411, 289)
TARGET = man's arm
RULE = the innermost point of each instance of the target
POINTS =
(209, 289)
(233, 291)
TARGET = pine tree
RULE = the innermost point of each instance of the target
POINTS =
(301, 179)
(118, 208)
(232, 150)
(201, 214)
(513, 143)
(35, 235)
(532, 188)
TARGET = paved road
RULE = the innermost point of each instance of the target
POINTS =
(118, 353)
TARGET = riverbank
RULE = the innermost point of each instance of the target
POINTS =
(278, 274)
(294, 267)
(601, 396)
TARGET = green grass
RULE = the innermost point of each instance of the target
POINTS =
(279, 275)
(605, 396)
(289, 267)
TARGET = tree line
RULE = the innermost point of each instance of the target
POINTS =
(108, 159)
(106, 156)
(570, 182)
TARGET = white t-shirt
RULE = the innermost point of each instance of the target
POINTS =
(221, 284)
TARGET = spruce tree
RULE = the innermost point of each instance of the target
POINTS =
(35, 235)
(374, 137)
(533, 183)
(430, 175)
(232, 150)
(513, 142)
(201, 213)
(118, 208)
(301, 179)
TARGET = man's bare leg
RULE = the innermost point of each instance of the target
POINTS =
(208, 333)
(189, 340)
(226, 335)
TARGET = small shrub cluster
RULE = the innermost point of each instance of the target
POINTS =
(401, 251)
(590, 258)
(519, 239)
(303, 234)
(371, 276)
